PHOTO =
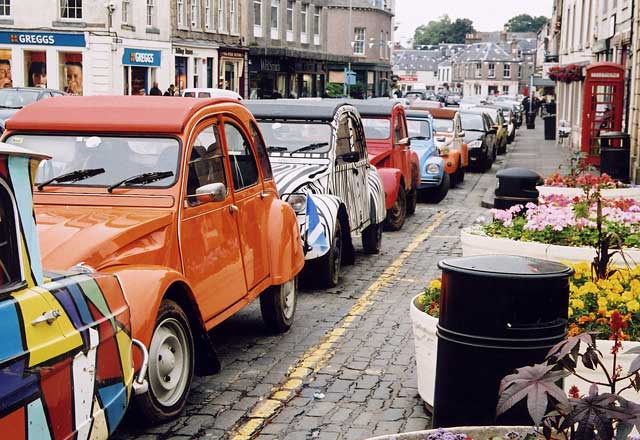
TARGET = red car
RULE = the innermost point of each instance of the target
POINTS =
(385, 128)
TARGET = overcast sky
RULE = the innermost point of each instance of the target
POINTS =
(487, 15)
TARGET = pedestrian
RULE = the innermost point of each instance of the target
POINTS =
(142, 92)
(155, 91)
(171, 91)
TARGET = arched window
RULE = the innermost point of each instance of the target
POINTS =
(9, 251)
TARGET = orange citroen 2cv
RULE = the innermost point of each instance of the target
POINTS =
(175, 197)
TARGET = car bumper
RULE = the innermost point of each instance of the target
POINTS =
(476, 155)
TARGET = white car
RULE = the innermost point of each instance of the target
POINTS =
(210, 93)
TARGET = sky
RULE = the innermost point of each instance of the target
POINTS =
(487, 15)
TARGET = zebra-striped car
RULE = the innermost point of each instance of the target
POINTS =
(319, 158)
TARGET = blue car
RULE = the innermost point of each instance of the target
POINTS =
(434, 182)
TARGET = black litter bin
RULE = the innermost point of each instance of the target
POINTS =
(531, 120)
(615, 154)
(516, 186)
(549, 127)
(497, 313)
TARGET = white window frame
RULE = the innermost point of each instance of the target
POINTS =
(317, 16)
(359, 40)
(5, 8)
(491, 70)
(195, 14)
(233, 16)
(478, 70)
(180, 12)
(221, 17)
(289, 20)
(126, 11)
(382, 51)
(304, 22)
(207, 15)
(507, 71)
(151, 13)
(257, 19)
(65, 5)
(274, 8)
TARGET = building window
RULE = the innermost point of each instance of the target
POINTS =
(519, 71)
(207, 14)
(222, 23)
(492, 70)
(233, 13)
(180, 12)
(150, 13)
(195, 14)
(358, 41)
(507, 71)
(71, 8)
(5, 8)
(274, 14)
(303, 18)
(126, 11)
(257, 18)
(316, 25)
(381, 44)
(290, 15)
(478, 70)
(505, 90)
(387, 43)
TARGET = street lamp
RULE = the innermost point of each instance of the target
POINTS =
(347, 78)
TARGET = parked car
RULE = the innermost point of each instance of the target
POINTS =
(449, 138)
(13, 99)
(480, 136)
(176, 197)
(66, 351)
(452, 99)
(320, 163)
(385, 127)
(434, 182)
(420, 95)
(515, 102)
(210, 93)
(509, 111)
(501, 126)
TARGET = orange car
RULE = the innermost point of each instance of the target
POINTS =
(175, 197)
(449, 139)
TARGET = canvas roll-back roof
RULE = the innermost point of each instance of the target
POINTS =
(294, 109)
(375, 107)
(443, 113)
(131, 114)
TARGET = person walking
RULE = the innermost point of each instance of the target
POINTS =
(171, 91)
(155, 91)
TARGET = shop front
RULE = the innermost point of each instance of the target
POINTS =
(43, 59)
(231, 71)
(140, 69)
(286, 77)
(195, 65)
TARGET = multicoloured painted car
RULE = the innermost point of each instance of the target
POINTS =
(321, 166)
(434, 182)
(66, 364)
(176, 197)
(449, 138)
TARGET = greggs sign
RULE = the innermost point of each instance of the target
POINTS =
(141, 57)
(42, 39)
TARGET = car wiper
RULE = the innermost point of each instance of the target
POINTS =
(473, 129)
(73, 176)
(276, 148)
(311, 147)
(141, 179)
(419, 138)
(10, 106)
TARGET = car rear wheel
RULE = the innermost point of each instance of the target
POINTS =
(171, 363)
(372, 238)
(412, 201)
(438, 193)
(398, 212)
(278, 305)
(460, 173)
(330, 263)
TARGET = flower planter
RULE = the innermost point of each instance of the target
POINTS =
(426, 344)
(627, 193)
(475, 432)
(475, 243)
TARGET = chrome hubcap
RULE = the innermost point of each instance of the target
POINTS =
(169, 362)
(289, 297)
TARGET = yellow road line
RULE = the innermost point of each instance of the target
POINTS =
(316, 357)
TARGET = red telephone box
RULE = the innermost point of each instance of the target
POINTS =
(602, 106)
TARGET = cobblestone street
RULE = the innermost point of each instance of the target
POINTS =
(346, 369)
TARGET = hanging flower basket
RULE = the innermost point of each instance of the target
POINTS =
(566, 74)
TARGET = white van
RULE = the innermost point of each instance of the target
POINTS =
(210, 93)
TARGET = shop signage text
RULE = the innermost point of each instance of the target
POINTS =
(269, 67)
(181, 51)
(141, 57)
(228, 54)
(42, 39)
(605, 75)
(409, 78)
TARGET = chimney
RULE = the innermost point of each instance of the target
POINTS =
(503, 35)
(514, 47)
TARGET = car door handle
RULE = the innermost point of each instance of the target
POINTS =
(264, 195)
(47, 317)
(233, 209)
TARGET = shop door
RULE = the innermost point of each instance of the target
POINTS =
(138, 79)
(230, 76)
(602, 108)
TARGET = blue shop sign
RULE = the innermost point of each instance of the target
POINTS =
(42, 39)
(141, 57)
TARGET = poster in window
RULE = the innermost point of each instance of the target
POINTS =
(36, 68)
(71, 77)
(5, 68)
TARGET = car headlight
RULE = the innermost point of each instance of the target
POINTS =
(298, 202)
(433, 168)
(475, 144)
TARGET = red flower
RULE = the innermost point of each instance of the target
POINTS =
(574, 392)
(617, 322)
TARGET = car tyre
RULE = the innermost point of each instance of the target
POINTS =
(488, 161)
(412, 201)
(330, 263)
(458, 176)
(372, 238)
(278, 306)
(436, 195)
(398, 212)
(171, 364)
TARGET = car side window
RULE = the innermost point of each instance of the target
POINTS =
(9, 262)
(400, 128)
(343, 137)
(357, 136)
(244, 170)
(206, 162)
(261, 150)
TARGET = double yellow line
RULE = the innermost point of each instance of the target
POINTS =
(316, 357)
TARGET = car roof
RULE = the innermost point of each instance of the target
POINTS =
(422, 114)
(216, 93)
(129, 114)
(323, 110)
(375, 107)
(443, 113)
(475, 110)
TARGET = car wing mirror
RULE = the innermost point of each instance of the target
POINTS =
(405, 142)
(462, 134)
(211, 192)
(351, 157)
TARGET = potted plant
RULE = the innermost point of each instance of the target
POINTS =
(573, 185)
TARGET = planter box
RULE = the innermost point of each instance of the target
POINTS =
(475, 432)
(476, 244)
(627, 193)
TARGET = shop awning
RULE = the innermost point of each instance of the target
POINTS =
(543, 82)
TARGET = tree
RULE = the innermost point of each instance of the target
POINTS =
(443, 30)
(526, 23)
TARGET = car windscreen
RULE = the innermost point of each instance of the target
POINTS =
(12, 98)
(121, 157)
(443, 125)
(472, 122)
(289, 136)
(376, 128)
(419, 128)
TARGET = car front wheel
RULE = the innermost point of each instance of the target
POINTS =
(372, 238)
(398, 212)
(278, 305)
(171, 363)
(436, 195)
(330, 263)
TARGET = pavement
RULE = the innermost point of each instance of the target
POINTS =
(531, 151)
(346, 369)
